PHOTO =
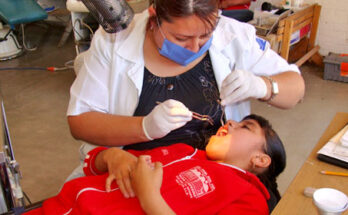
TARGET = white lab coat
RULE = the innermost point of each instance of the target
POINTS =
(111, 76)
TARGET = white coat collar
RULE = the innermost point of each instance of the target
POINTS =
(222, 38)
(223, 34)
(132, 47)
(222, 63)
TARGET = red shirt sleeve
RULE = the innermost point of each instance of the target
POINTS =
(163, 154)
(89, 162)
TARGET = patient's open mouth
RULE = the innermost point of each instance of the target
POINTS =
(222, 132)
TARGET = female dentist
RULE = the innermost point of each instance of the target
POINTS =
(139, 88)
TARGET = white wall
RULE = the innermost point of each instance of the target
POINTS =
(333, 26)
(332, 33)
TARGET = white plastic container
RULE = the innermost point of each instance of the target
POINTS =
(330, 201)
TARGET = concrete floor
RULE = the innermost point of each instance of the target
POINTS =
(36, 102)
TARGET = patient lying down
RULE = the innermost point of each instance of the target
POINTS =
(228, 178)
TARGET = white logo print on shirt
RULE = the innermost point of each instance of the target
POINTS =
(195, 182)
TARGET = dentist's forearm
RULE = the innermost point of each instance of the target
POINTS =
(107, 129)
(291, 90)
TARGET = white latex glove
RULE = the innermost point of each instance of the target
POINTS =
(240, 85)
(164, 118)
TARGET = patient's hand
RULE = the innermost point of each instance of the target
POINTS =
(147, 181)
(146, 177)
(119, 164)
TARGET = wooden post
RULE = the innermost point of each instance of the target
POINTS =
(314, 29)
(289, 24)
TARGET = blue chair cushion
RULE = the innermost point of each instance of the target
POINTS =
(21, 11)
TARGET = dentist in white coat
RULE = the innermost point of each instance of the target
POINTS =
(138, 88)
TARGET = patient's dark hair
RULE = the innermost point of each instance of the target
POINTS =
(275, 149)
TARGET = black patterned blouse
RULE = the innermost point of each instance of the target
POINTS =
(197, 90)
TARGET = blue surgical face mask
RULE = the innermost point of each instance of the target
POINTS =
(180, 54)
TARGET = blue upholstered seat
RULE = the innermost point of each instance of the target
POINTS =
(15, 12)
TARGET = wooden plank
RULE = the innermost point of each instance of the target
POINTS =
(303, 24)
(304, 17)
(308, 55)
(297, 15)
(280, 30)
(280, 33)
(297, 22)
(317, 59)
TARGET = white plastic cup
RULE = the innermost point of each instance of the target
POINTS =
(330, 201)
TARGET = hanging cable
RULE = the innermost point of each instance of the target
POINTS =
(22, 68)
(23, 40)
(5, 37)
(87, 26)
(51, 68)
(67, 65)
(15, 41)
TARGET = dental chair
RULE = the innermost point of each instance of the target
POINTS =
(12, 13)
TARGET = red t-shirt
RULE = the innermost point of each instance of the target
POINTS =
(239, 7)
(191, 185)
